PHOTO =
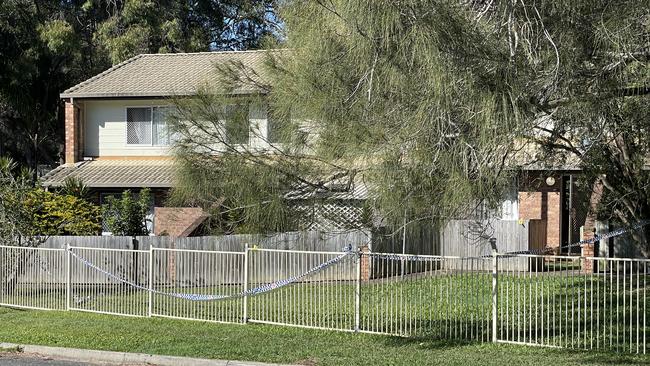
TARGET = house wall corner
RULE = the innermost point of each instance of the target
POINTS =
(73, 132)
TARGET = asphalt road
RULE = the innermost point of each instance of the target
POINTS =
(19, 359)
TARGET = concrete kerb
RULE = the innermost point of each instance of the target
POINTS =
(119, 358)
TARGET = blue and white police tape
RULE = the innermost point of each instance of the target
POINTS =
(605, 236)
(611, 234)
(403, 257)
(201, 297)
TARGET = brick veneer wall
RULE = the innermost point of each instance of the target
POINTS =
(177, 221)
(73, 133)
(539, 201)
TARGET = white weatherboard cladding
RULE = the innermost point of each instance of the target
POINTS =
(105, 129)
(105, 132)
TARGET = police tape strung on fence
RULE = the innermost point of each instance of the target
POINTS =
(605, 236)
(200, 297)
(611, 234)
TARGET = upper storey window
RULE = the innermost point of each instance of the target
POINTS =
(237, 124)
(147, 126)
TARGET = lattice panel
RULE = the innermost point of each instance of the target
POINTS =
(330, 216)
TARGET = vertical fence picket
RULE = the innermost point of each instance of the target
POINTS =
(68, 277)
(357, 293)
(150, 282)
(495, 288)
(245, 285)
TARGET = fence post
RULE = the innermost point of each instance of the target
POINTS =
(68, 277)
(245, 300)
(495, 285)
(150, 278)
(357, 293)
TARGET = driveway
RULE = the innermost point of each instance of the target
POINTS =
(20, 359)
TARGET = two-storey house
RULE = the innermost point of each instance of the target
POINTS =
(116, 134)
(116, 138)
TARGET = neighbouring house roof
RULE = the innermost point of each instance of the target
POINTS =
(358, 190)
(529, 156)
(154, 173)
(169, 74)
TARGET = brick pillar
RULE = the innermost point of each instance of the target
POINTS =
(366, 270)
(588, 250)
(587, 264)
(72, 133)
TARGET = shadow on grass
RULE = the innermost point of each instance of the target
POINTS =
(511, 351)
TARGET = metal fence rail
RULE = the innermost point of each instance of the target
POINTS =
(109, 286)
(33, 278)
(325, 300)
(443, 297)
(575, 302)
(197, 272)
(556, 301)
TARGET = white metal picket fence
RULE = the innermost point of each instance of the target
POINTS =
(558, 301)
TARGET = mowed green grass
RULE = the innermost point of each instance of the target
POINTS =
(551, 310)
(265, 343)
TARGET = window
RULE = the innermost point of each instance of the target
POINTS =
(138, 126)
(160, 132)
(237, 124)
(277, 127)
(147, 126)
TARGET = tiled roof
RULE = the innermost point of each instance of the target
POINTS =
(529, 156)
(357, 191)
(166, 74)
(115, 173)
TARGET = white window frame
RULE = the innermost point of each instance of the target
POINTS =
(126, 126)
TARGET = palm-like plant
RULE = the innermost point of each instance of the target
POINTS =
(74, 186)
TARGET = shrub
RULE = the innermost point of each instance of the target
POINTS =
(127, 215)
(62, 214)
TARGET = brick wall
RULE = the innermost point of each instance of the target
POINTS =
(73, 135)
(177, 221)
(540, 201)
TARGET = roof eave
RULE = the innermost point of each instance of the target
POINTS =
(112, 185)
(144, 95)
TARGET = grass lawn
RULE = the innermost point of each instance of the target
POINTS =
(562, 308)
(272, 343)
